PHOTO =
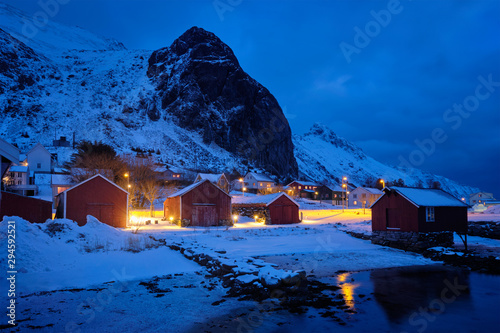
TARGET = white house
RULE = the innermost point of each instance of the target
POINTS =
(39, 159)
(480, 198)
(363, 197)
(258, 181)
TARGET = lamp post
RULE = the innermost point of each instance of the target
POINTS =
(344, 186)
(383, 183)
(128, 196)
(343, 197)
(244, 189)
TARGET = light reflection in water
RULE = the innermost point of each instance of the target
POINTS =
(347, 289)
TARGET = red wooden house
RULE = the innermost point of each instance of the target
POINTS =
(200, 204)
(31, 209)
(96, 196)
(276, 208)
(408, 209)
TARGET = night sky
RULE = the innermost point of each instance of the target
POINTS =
(420, 72)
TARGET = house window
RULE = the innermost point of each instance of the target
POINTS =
(260, 184)
(253, 184)
(334, 195)
(326, 196)
(355, 196)
(355, 202)
(363, 195)
(299, 187)
(429, 214)
(480, 195)
(38, 165)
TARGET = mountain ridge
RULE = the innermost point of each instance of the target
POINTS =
(191, 102)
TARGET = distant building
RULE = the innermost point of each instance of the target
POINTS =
(217, 179)
(363, 197)
(39, 159)
(258, 181)
(62, 142)
(331, 193)
(480, 198)
(303, 189)
(169, 174)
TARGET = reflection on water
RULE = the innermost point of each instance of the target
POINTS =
(419, 293)
(347, 289)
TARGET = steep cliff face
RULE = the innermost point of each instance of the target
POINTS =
(202, 86)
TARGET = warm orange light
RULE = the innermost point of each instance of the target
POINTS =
(244, 188)
(241, 179)
(129, 186)
(171, 218)
(126, 175)
(235, 218)
(345, 178)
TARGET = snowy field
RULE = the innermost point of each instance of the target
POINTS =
(97, 277)
(492, 214)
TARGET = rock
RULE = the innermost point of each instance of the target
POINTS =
(201, 84)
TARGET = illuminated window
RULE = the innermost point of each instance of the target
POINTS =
(429, 214)
(355, 202)
(260, 184)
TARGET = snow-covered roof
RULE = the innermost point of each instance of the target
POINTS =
(186, 189)
(213, 177)
(373, 190)
(38, 145)
(260, 177)
(9, 151)
(427, 197)
(61, 180)
(260, 199)
(18, 168)
(304, 182)
(98, 175)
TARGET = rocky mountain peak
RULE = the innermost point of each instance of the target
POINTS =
(200, 84)
(326, 134)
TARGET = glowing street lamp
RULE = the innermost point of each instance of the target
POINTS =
(244, 189)
(235, 218)
(255, 218)
(171, 219)
(383, 183)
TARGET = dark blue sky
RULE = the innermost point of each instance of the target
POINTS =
(395, 88)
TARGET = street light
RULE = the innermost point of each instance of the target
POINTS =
(128, 196)
(383, 183)
(244, 189)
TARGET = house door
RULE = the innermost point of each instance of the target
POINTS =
(103, 212)
(204, 216)
(393, 218)
(281, 214)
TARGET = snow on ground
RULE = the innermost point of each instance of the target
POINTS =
(317, 242)
(59, 254)
(491, 214)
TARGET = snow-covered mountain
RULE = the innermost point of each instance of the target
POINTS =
(324, 156)
(190, 104)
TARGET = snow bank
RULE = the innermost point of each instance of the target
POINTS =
(60, 254)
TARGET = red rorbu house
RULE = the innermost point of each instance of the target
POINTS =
(96, 196)
(276, 208)
(417, 210)
(200, 204)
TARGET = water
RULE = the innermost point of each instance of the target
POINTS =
(433, 298)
